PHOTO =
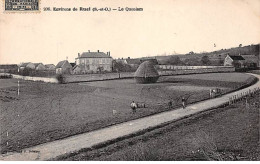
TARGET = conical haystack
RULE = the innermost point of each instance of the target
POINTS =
(146, 73)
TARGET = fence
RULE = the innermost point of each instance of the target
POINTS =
(238, 97)
(43, 79)
(196, 71)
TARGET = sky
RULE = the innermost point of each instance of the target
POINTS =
(163, 27)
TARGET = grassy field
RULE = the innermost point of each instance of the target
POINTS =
(229, 133)
(45, 112)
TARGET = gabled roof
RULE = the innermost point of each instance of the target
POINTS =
(24, 64)
(49, 65)
(236, 57)
(94, 55)
(60, 64)
(133, 61)
(37, 64)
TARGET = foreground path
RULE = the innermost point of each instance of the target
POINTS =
(74, 143)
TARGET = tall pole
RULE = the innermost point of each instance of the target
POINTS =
(18, 90)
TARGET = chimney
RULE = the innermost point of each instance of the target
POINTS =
(78, 54)
(88, 50)
(98, 51)
(66, 57)
(107, 53)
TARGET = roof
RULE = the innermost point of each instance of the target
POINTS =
(60, 64)
(146, 69)
(24, 64)
(236, 57)
(149, 59)
(94, 55)
(49, 65)
(8, 66)
(74, 67)
(37, 64)
(133, 61)
(72, 64)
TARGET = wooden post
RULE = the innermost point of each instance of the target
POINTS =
(18, 90)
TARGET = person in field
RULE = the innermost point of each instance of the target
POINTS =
(133, 106)
(183, 100)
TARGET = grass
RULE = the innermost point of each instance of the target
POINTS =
(228, 133)
(46, 112)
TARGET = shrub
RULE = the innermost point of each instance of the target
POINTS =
(60, 78)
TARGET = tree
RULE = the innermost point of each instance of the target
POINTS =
(118, 66)
(240, 45)
(121, 67)
(205, 60)
(174, 60)
(191, 53)
(100, 69)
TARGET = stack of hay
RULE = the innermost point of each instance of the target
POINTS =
(146, 73)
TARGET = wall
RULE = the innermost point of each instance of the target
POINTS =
(97, 77)
(43, 79)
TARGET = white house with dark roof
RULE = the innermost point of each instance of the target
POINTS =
(234, 60)
(92, 62)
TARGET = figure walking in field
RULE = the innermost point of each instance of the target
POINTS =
(183, 100)
(133, 106)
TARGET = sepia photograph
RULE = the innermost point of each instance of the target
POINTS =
(129, 80)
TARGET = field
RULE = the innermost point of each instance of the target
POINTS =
(45, 112)
(229, 133)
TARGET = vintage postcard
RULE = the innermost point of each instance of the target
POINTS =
(129, 80)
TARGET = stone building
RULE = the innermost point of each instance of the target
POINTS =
(93, 62)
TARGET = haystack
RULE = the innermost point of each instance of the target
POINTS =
(146, 73)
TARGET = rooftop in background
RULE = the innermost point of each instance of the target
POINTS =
(24, 64)
(133, 61)
(60, 64)
(36, 64)
(8, 66)
(236, 57)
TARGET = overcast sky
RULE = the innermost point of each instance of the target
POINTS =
(162, 27)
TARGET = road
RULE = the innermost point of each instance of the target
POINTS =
(87, 140)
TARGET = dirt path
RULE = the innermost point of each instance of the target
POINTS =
(71, 144)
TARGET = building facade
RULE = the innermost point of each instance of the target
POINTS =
(93, 62)
(236, 61)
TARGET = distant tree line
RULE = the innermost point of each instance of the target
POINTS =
(32, 72)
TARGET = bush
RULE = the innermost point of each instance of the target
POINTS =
(60, 78)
